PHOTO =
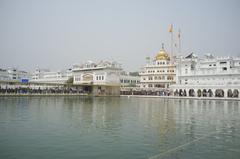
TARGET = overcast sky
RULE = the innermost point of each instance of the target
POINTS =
(55, 34)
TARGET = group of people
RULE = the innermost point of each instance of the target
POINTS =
(39, 90)
(145, 92)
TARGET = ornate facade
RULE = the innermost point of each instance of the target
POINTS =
(207, 77)
(159, 73)
(101, 78)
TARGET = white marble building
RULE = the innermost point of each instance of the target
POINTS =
(208, 76)
(128, 80)
(159, 73)
(101, 78)
(13, 75)
(45, 76)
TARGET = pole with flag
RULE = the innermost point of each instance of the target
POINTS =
(170, 30)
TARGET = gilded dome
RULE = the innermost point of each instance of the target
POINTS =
(162, 55)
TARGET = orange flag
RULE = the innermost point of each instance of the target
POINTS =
(170, 29)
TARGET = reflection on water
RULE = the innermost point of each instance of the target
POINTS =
(81, 127)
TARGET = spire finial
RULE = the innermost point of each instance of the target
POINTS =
(162, 46)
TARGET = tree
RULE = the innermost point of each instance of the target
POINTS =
(134, 73)
(69, 82)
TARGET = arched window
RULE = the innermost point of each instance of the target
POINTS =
(219, 93)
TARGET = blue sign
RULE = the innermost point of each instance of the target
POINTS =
(25, 80)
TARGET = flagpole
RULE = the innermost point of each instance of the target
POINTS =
(171, 34)
(171, 46)
(171, 56)
(179, 41)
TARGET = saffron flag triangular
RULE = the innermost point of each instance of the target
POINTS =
(170, 29)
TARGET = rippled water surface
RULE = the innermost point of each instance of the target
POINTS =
(118, 128)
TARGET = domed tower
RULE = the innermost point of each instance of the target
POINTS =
(162, 56)
(160, 74)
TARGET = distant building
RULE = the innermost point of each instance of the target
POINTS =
(101, 78)
(45, 76)
(158, 74)
(208, 76)
(13, 75)
(129, 80)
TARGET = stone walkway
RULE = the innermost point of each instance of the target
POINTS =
(178, 97)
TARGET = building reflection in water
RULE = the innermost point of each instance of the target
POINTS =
(121, 125)
(189, 118)
(119, 116)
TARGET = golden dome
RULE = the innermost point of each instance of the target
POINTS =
(162, 55)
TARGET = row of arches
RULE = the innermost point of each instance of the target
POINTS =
(207, 93)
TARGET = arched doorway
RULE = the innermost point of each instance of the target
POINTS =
(204, 93)
(191, 93)
(219, 93)
(176, 93)
(184, 93)
(229, 93)
(199, 93)
(210, 93)
(180, 92)
(87, 89)
(235, 93)
(149, 92)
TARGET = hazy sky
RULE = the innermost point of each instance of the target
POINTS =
(58, 33)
